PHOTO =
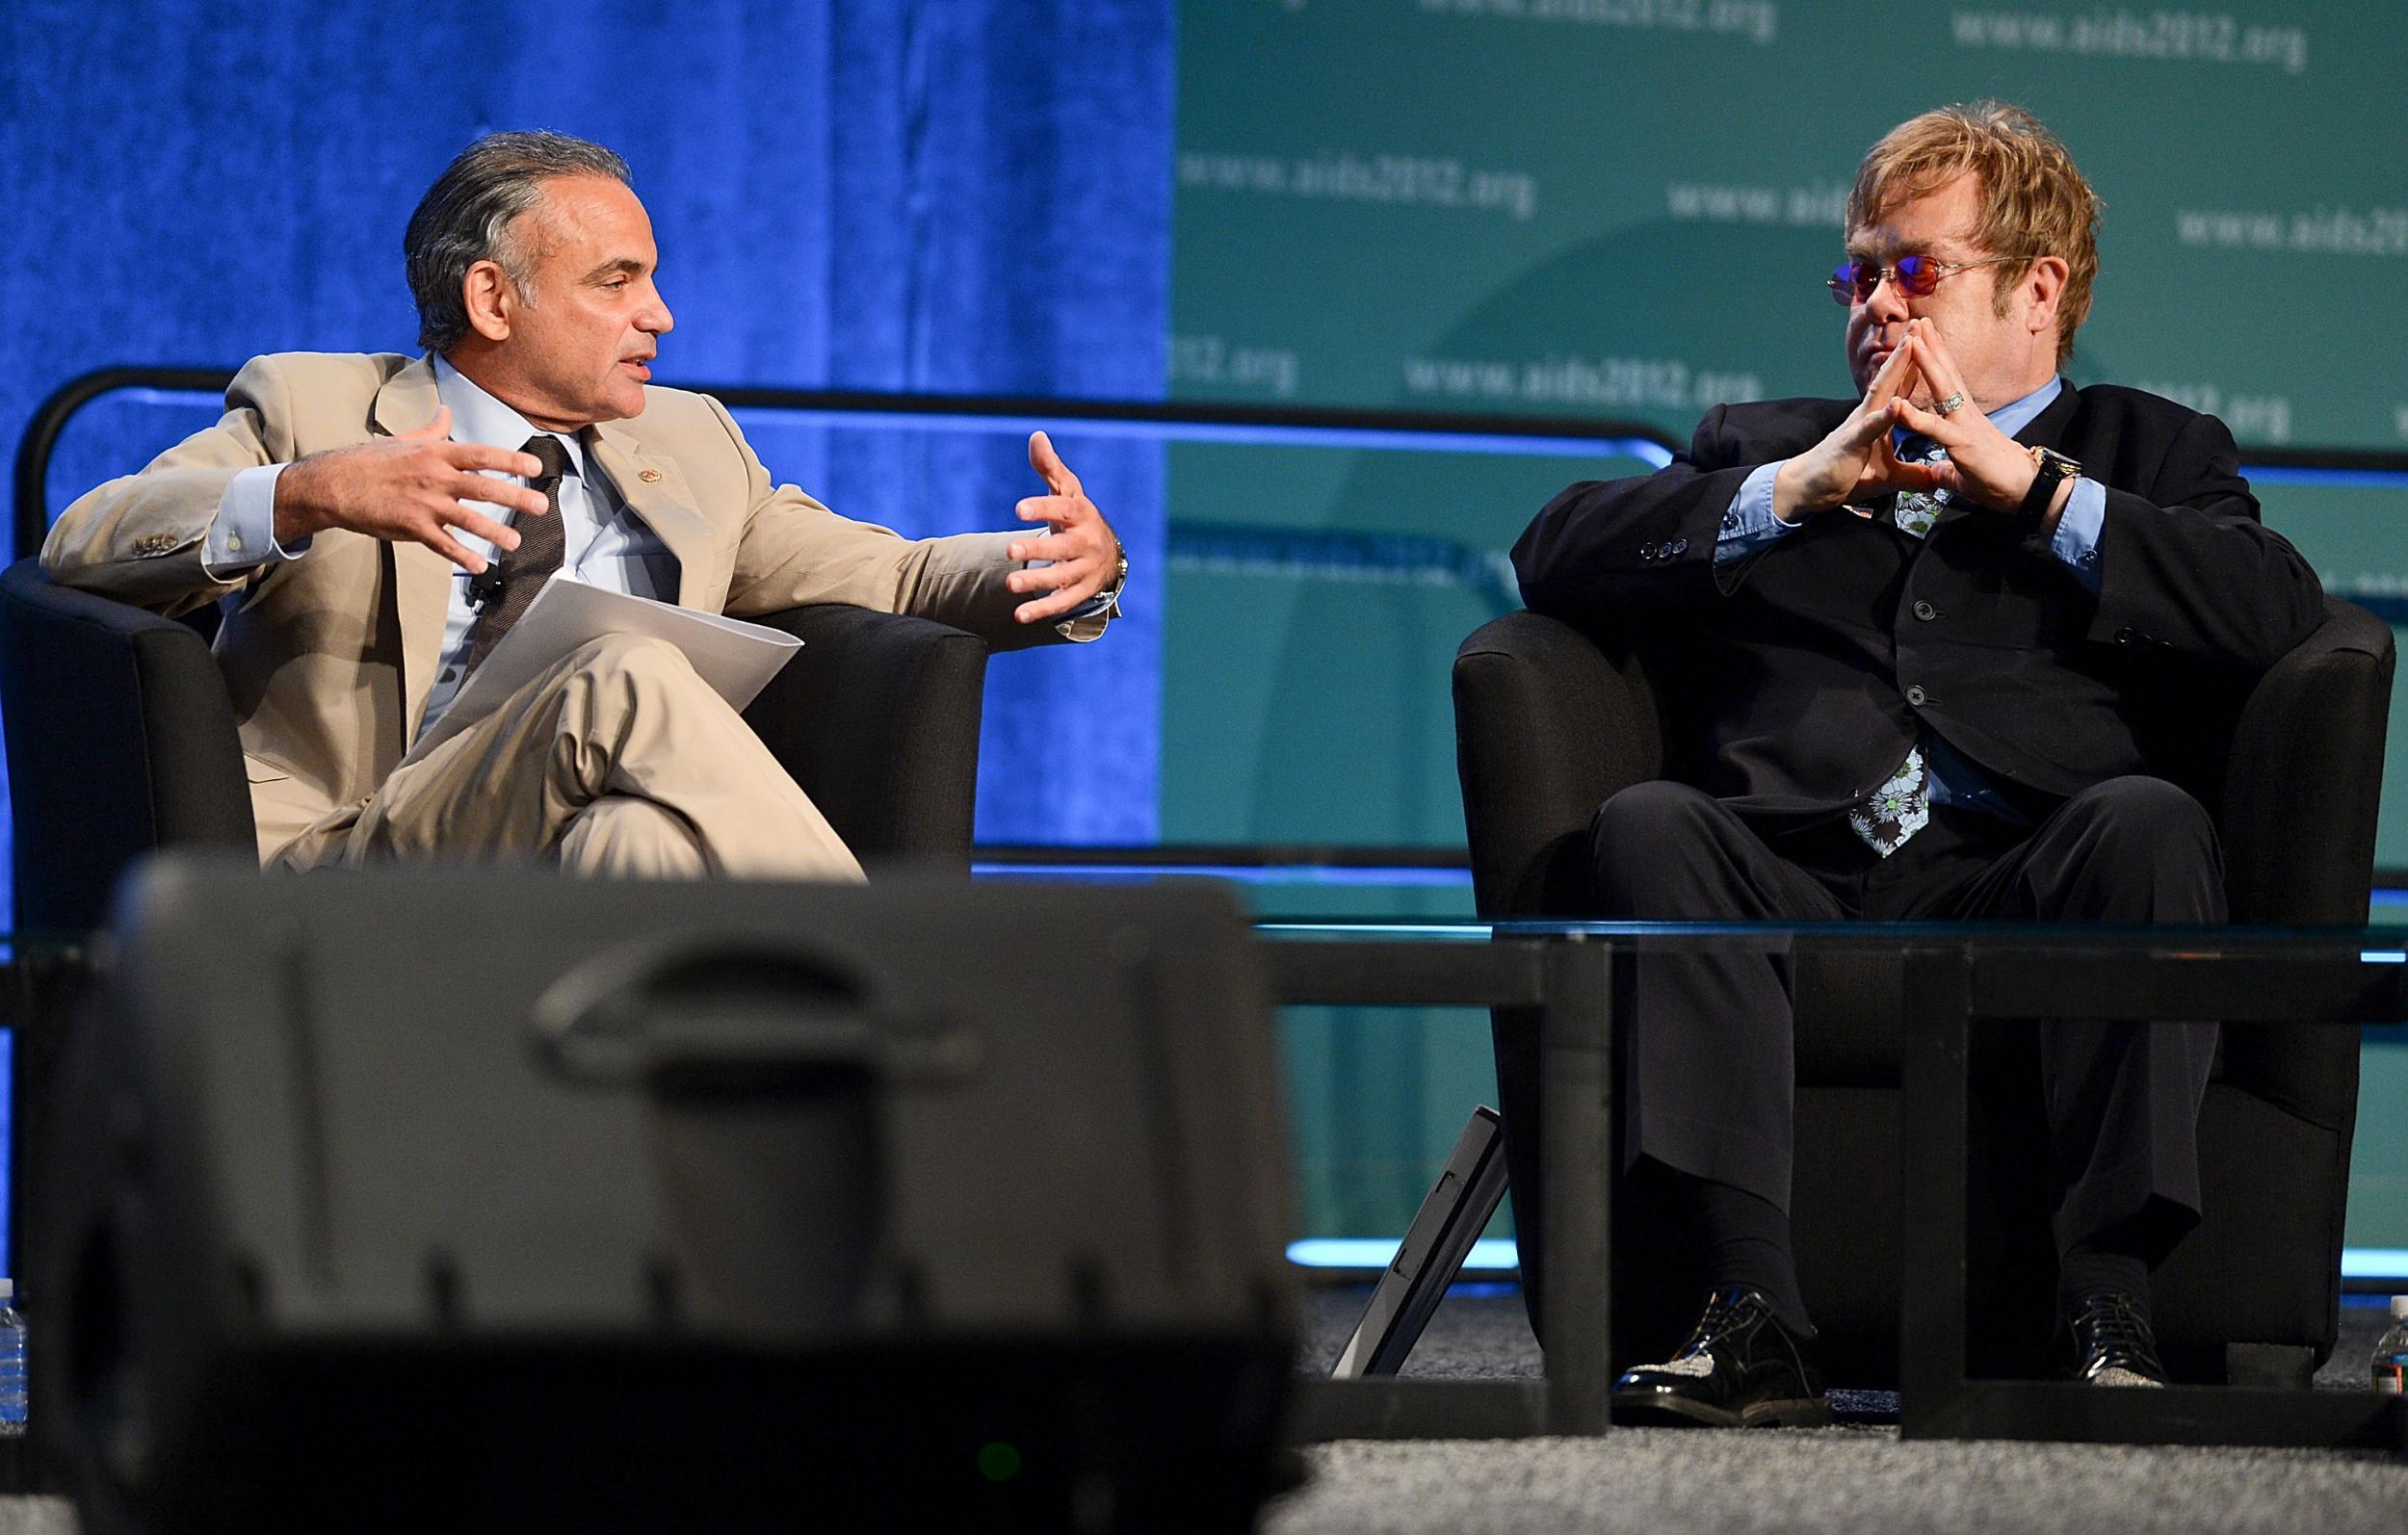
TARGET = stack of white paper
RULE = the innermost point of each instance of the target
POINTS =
(737, 658)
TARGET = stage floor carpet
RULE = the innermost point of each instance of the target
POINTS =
(1856, 1478)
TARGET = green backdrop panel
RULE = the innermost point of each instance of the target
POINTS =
(1603, 207)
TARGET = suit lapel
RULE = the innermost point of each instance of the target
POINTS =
(422, 579)
(654, 490)
(2047, 429)
(651, 485)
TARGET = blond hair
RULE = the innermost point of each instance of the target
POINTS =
(2034, 202)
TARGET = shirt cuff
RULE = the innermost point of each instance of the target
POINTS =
(1087, 622)
(242, 536)
(1750, 523)
(2075, 542)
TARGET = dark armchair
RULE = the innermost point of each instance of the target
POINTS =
(120, 737)
(1548, 726)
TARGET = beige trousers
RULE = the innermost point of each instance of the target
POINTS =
(616, 759)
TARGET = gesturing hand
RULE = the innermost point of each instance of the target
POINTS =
(1985, 467)
(1085, 554)
(410, 487)
(1858, 461)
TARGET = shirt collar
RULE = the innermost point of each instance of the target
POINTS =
(478, 417)
(2014, 416)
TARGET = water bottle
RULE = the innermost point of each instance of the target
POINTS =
(2391, 1352)
(12, 1362)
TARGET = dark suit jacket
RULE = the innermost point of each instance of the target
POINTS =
(1804, 671)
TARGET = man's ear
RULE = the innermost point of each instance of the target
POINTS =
(2044, 286)
(491, 298)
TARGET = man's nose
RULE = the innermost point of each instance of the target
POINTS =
(1887, 300)
(657, 321)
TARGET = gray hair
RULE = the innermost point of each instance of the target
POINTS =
(466, 216)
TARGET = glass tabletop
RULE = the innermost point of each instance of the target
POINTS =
(2379, 944)
(2329, 975)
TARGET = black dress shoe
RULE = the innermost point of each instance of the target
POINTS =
(1740, 1368)
(2113, 1345)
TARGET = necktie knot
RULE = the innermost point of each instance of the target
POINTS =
(551, 453)
(542, 543)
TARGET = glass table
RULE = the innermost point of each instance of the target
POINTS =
(1957, 977)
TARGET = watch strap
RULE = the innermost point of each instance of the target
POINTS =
(2051, 469)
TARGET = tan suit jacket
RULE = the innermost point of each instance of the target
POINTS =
(330, 657)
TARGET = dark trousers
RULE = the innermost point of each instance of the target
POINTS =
(1707, 1071)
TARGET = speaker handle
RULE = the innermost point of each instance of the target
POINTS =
(743, 1014)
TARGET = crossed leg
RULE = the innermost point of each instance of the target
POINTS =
(618, 758)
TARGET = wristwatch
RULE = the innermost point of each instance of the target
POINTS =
(2051, 469)
(1106, 604)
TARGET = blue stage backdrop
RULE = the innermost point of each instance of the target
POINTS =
(942, 196)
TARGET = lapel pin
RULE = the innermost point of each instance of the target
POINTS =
(647, 476)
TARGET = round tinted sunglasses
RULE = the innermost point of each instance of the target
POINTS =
(1852, 282)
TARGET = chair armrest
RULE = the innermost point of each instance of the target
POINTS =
(2305, 776)
(1547, 726)
(877, 718)
(121, 739)
(2303, 785)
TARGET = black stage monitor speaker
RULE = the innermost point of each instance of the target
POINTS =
(486, 1201)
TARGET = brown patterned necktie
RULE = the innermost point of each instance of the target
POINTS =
(541, 542)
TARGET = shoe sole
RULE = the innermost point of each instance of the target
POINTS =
(1668, 1411)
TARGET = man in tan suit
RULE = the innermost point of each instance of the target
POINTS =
(367, 514)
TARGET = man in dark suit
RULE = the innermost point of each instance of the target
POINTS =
(1917, 626)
